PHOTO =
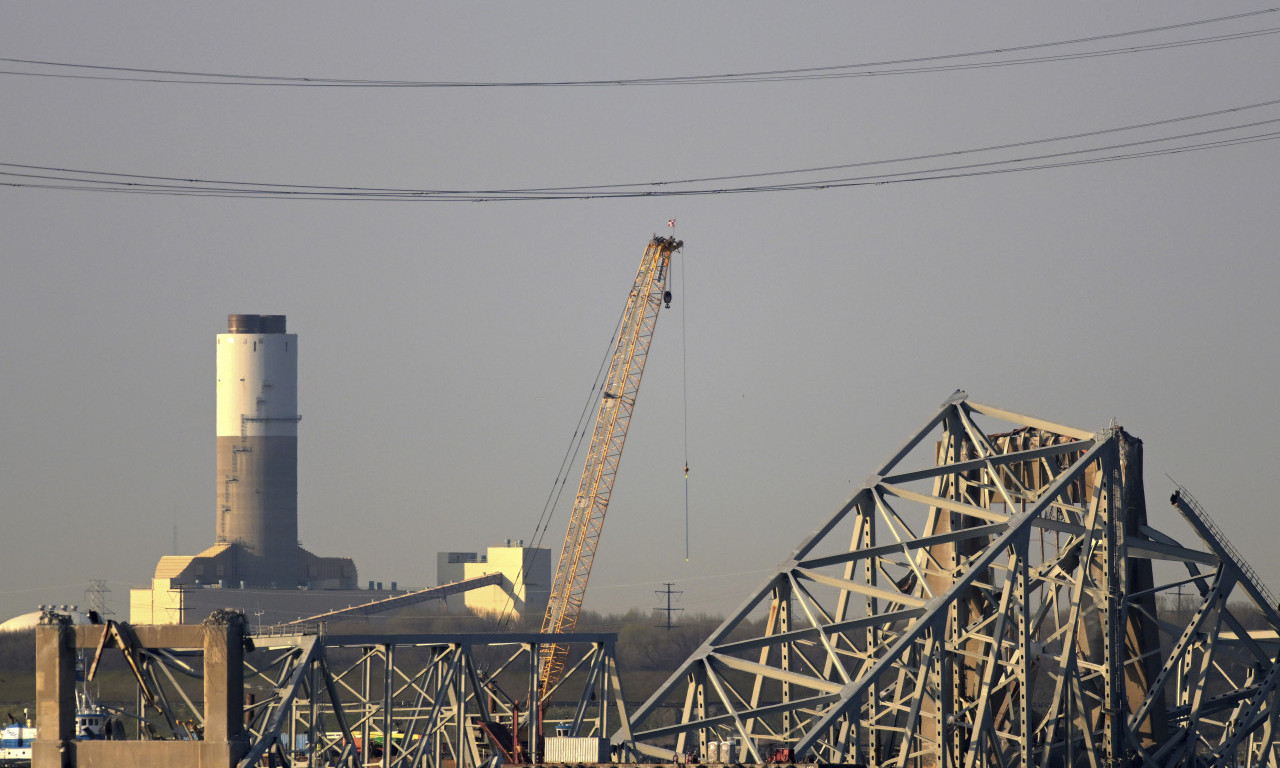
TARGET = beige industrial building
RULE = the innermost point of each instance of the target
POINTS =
(525, 587)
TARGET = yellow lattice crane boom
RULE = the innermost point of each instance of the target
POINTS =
(617, 401)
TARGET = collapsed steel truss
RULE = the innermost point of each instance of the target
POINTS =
(991, 598)
(424, 700)
(392, 700)
(994, 595)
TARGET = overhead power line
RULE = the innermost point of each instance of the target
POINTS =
(52, 177)
(996, 57)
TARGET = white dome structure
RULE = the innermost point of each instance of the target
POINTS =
(32, 620)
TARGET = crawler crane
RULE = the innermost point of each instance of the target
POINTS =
(613, 416)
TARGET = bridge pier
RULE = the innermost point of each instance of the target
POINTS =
(225, 742)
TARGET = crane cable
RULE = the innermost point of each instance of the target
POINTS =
(684, 376)
(570, 460)
(684, 384)
(576, 442)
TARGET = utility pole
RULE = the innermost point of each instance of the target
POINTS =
(668, 610)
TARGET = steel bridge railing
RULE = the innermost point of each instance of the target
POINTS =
(1238, 559)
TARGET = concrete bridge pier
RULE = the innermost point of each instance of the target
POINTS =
(221, 638)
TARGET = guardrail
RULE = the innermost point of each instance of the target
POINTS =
(1237, 559)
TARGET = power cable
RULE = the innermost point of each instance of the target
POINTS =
(181, 183)
(972, 150)
(82, 180)
(864, 69)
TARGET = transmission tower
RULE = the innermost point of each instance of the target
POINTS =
(95, 597)
(668, 610)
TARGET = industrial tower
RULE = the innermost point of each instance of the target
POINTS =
(256, 545)
(257, 429)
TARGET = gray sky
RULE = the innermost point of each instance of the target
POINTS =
(447, 348)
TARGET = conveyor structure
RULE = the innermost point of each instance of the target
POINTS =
(396, 602)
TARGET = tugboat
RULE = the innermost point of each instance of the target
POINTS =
(15, 741)
(92, 719)
(92, 722)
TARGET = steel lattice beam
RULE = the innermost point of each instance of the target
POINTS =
(400, 700)
(992, 596)
(294, 697)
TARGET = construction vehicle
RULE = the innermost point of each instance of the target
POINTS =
(618, 399)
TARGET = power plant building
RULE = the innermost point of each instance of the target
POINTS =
(255, 563)
(523, 591)
(256, 545)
